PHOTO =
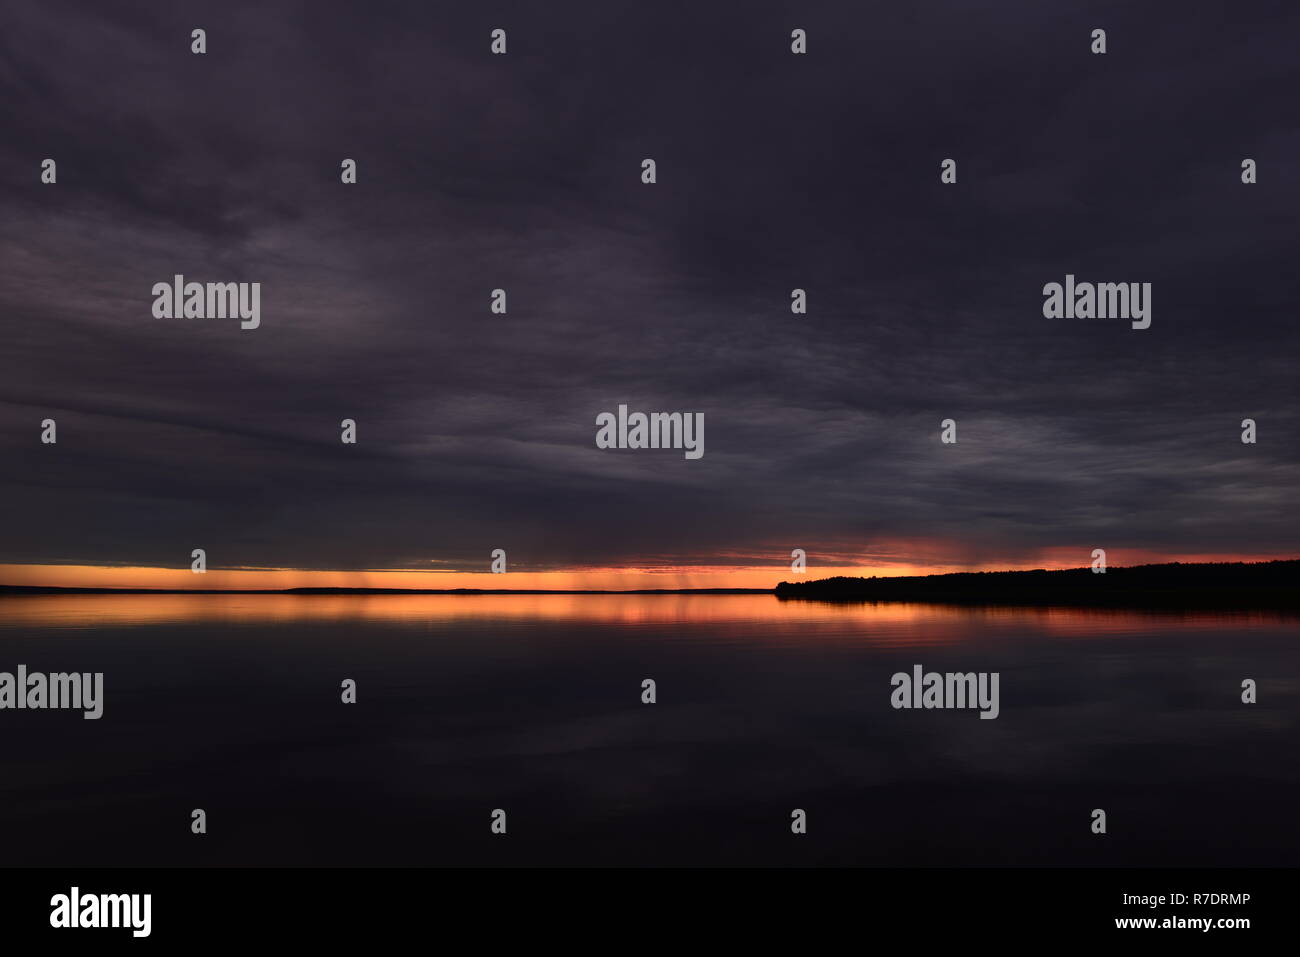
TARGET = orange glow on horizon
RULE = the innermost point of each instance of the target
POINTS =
(575, 579)
(273, 579)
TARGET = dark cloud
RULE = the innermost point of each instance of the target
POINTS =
(522, 172)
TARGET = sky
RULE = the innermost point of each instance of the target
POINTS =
(775, 171)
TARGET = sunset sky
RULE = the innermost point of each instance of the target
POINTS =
(476, 431)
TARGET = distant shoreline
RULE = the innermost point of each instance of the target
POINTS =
(1246, 585)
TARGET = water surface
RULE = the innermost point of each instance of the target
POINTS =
(532, 704)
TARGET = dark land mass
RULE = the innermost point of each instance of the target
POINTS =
(1222, 585)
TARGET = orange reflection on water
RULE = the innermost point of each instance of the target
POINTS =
(738, 617)
(272, 608)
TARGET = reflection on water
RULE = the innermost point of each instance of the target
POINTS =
(893, 619)
(532, 703)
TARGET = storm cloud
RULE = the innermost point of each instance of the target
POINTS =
(522, 172)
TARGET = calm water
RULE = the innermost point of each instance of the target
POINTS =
(532, 704)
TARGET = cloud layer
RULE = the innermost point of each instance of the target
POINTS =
(523, 172)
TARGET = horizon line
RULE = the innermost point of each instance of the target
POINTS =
(34, 589)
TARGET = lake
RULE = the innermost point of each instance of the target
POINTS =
(533, 704)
